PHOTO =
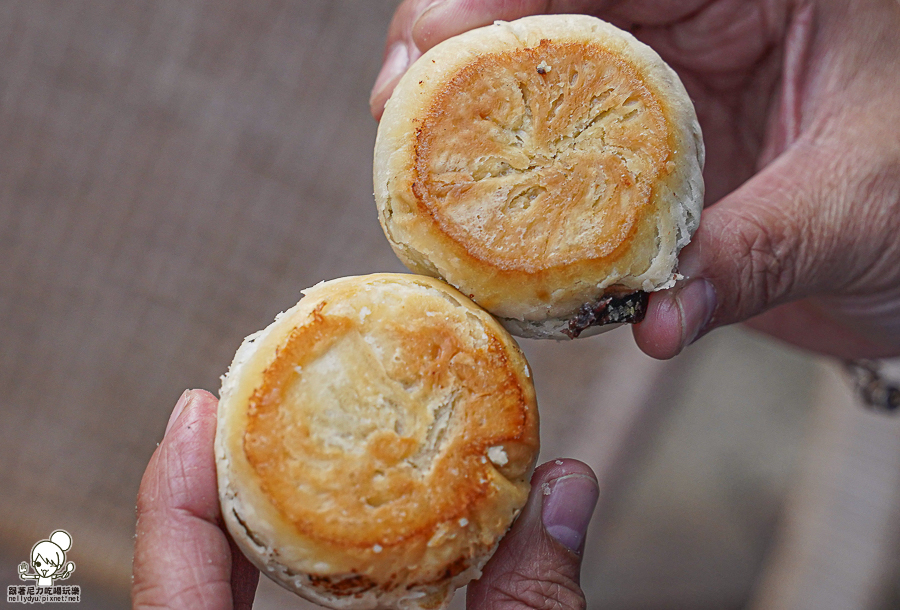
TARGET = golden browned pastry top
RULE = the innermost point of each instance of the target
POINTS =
(385, 430)
(537, 157)
(534, 164)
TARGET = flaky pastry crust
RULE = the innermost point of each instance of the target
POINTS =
(375, 442)
(538, 163)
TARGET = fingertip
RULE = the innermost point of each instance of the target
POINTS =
(181, 472)
(191, 399)
(432, 21)
(419, 25)
(676, 318)
(538, 562)
(445, 18)
(439, 21)
(560, 468)
(180, 551)
(569, 491)
(659, 334)
(397, 59)
(185, 399)
(204, 400)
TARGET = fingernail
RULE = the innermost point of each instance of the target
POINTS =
(431, 10)
(180, 406)
(395, 64)
(696, 303)
(568, 506)
(426, 8)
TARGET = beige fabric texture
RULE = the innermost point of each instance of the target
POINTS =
(173, 173)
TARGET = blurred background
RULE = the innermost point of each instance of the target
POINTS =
(173, 173)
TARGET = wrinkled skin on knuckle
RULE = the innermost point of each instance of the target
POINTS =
(767, 275)
(875, 212)
(549, 591)
(855, 205)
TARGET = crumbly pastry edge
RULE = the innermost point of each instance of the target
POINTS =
(684, 187)
(258, 529)
(551, 328)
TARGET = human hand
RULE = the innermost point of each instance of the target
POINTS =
(797, 101)
(182, 556)
(184, 559)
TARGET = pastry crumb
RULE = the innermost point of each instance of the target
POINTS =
(498, 456)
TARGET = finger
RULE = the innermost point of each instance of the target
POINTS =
(182, 557)
(452, 17)
(791, 232)
(742, 260)
(538, 563)
(400, 52)
(445, 18)
(418, 25)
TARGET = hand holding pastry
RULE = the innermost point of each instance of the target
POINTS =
(184, 558)
(797, 105)
(548, 167)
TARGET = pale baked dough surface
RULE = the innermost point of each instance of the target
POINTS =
(357, 434)
(535, 163)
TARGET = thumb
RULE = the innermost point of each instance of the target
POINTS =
(182, 556)
(793, 231)
(538, 563)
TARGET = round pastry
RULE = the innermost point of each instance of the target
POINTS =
(550, 168)
(375, 442)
